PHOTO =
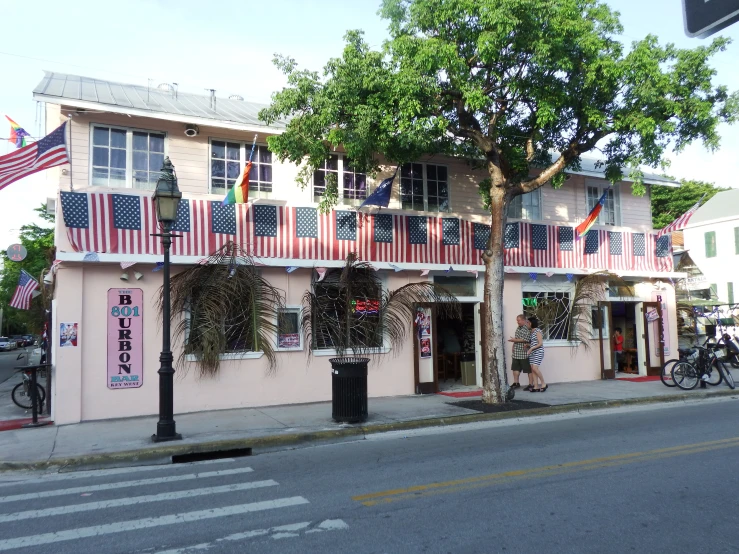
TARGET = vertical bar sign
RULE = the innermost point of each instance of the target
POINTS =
(125, 338)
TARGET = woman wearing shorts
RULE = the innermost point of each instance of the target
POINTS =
(536, 356)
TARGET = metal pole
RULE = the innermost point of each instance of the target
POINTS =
(166, 428)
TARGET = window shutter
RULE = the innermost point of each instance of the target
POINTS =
(710, 238)
(736, 240)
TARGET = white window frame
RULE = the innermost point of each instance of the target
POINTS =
(426, 189)
(244, 151)
(384, 349)
(526, 211)
(553, 284)
(241, 355)
(341, 158)
(290, 309)
(129, 150)
(602, 186)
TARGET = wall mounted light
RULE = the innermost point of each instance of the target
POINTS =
(124, 276)
(138, 275)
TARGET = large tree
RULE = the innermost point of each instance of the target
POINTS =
(522, 87)
(39, 243)
(669, 203)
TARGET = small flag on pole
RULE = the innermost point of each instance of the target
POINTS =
(239, 193)
(22, 296)
(17, 134)
(582, 229)
(682, 221)
(381, 195)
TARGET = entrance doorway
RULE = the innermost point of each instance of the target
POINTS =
(623, 317)
(446, 350)
(455, 356)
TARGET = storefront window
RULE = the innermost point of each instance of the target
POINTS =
(288, 330)
(552, 309)
(458, 286)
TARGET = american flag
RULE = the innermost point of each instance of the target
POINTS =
(517, 244)
(682, 221)
(48, 152)
(123, 224)
(22, 296)
(543, 245)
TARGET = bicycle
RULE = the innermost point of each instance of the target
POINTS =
(687, 376)
(689, 355)
(21, 393)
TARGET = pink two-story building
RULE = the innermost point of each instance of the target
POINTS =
(434, 229)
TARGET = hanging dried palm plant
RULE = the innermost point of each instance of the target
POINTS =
(231, 308)
(348, 310)
(589, 290)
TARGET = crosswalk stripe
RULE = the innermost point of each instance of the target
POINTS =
(49, 477)
(279, 532)
(147, 523)
(125, 484)
(104, 504)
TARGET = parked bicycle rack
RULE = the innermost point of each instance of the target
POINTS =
(34, 394)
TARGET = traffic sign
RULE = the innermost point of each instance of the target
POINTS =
(706, 17)
(17, 252)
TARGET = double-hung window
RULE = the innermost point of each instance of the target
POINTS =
(227, 162)
(611, 212)
(351, 184)
(424, 187)
(126, 158)
(526, 206)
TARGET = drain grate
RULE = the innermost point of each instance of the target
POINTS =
(213, 455)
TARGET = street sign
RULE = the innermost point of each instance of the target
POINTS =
(706, 17)
(17, 252)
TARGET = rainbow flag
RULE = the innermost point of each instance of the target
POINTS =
(239, 194)
(582, 229)
(17, 134)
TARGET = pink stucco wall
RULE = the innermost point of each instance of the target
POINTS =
(82, 393)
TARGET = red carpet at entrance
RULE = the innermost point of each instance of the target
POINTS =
(10, 424)
(641, 379)
(462, 394)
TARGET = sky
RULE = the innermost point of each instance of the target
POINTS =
(229, 46)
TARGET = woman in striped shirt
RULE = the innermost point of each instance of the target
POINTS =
(536, 356)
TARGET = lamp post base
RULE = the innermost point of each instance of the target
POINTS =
(166, 438)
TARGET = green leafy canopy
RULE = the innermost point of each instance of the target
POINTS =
(669, 203)
(518, 84)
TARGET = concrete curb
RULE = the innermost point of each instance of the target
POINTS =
(163, 454)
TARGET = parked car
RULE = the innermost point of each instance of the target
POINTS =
(6, 344)
(30, 340)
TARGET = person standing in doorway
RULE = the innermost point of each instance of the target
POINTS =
(618, 347)
(536, 356)
(521, 341)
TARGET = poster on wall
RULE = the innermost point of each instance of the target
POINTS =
(288, 340)
(125, 338)
(68, 335)
(425, 348)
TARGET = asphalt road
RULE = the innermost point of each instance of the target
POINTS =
(659, 480)
(9, 360)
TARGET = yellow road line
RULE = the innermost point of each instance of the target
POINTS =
(469, 483)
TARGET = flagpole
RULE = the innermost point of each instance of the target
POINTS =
(71, 185)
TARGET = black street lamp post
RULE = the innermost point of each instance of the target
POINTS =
(167, 199)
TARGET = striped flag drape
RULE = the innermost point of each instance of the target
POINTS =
(123, 224)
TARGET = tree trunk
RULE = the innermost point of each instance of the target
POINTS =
(495, 381)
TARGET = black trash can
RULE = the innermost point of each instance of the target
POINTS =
(349, 389)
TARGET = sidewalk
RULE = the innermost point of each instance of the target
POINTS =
(127, 441)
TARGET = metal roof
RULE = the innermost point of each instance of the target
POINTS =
(589, 167)
(724, 205)
(121, 96)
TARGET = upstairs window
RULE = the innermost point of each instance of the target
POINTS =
(351, 184)
(526, 206)
(125, 158)
(610, 214)
(227, 162)
(424, 187)
(710, 239)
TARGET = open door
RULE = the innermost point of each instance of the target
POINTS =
(654, 337)
(602, 319)
(650, 341)
(424, 350)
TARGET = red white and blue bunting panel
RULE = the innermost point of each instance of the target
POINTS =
(123, 223)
